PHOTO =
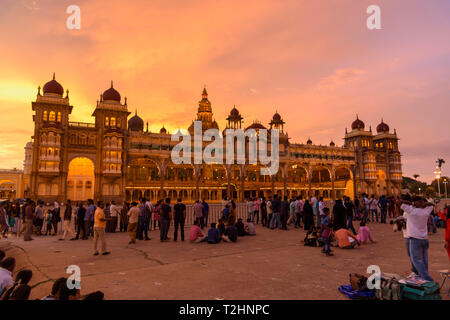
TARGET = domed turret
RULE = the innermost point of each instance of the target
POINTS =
(256, 126)
(309, 141)
(382, 127)
(332, 144)
(111, 94)
(358, 124)
(53, 88)
(163, 130)
(136, 123)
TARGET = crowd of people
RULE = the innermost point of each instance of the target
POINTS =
(325, 225)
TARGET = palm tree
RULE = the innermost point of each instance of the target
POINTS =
(416, 176)
(440, 162)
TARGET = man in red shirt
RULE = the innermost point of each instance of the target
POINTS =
(445, 216)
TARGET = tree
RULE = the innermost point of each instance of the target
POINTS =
(440, 162)
(416, 176)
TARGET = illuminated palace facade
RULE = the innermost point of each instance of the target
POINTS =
(117, 158)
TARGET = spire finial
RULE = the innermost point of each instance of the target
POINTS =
(111, 84)
(125, 101)
(53, 76)
(39, 90)
(136, 112)
(382, 119)
(101, 97)
(357, 117)
(67, 93)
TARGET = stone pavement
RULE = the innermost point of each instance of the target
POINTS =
(272, 265)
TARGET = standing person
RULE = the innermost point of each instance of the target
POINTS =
(308, 215)
(198, 213)
(124, 217)
(356, 209)
(257, 208)
(99, 229)
(320, 206)
(39, 216)
(115, 213)
(339, 215)
(164, 219)
(67, 220)
(156, 215)
(291, 212)
(250, 208)
(81, 212)
(349, 209)
(133, 220)
(284, 212)
(29, 217)
(366, 209)
(232, 217)
(269, 212)
(374, 209)
(416, 214)
(56, 218)
(313, 203)
(89, 217)
(16, 215)
(3, 219)
(391, 207)
(205, 212)
(179, 218)
(141, 223)
(276, 207)
(107, 211)
(48, 222)
(445, 216)
(383, 204)
(298, 208)
(326, 232)
(263, 208)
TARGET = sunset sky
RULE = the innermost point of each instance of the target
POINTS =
(313, 61)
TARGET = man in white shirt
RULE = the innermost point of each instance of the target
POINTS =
(374, 209)
(321, 213)
(114, 210)
(416, 214)
(6, 269)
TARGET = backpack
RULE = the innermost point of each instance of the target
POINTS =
(427, 291)
(358, 282)
(390, 289)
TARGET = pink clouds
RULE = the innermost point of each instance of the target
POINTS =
(316, 63)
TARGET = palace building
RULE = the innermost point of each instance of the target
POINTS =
(117, 157)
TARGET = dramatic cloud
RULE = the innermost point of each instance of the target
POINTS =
(313, 61)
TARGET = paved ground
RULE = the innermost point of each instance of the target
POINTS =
(271, 265)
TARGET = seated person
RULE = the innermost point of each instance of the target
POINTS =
(20, 290)
(250, 228)
(241, 228)
(364, 234)
(221, 226)
(346, 239)
(195, 234)
(230, 234)
(311, 237)
(54, 294)
(226, 212)
(214, 235)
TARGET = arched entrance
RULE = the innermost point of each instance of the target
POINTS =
(80, 179)
(381, 183)
(7, 189)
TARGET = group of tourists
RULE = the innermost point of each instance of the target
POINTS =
(18, 288)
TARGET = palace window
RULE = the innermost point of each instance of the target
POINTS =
(59, 117)
(106, 121)
(52, 116)
(45, 116)
(118, 123)
(113, 122)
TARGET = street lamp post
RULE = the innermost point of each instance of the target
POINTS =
(437, 172)
(445, 186)
(419, 192)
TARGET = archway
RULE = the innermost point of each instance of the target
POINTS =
(343, 182)
(381, 183)
(80, 179)
(7, 189)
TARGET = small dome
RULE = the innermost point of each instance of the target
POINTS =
(332, 144)
(358, 124)
(234, 112)
(136, 123)
(382, 127)
(111, 94)
(276, 117)
(53, 87)
(163, 130)
(256, 125)
(309, 141)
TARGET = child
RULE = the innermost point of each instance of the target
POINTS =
(49, 222)
(364, 234)
(326, 232)
(311, 237)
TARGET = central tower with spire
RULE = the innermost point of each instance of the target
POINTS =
(204, 114)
